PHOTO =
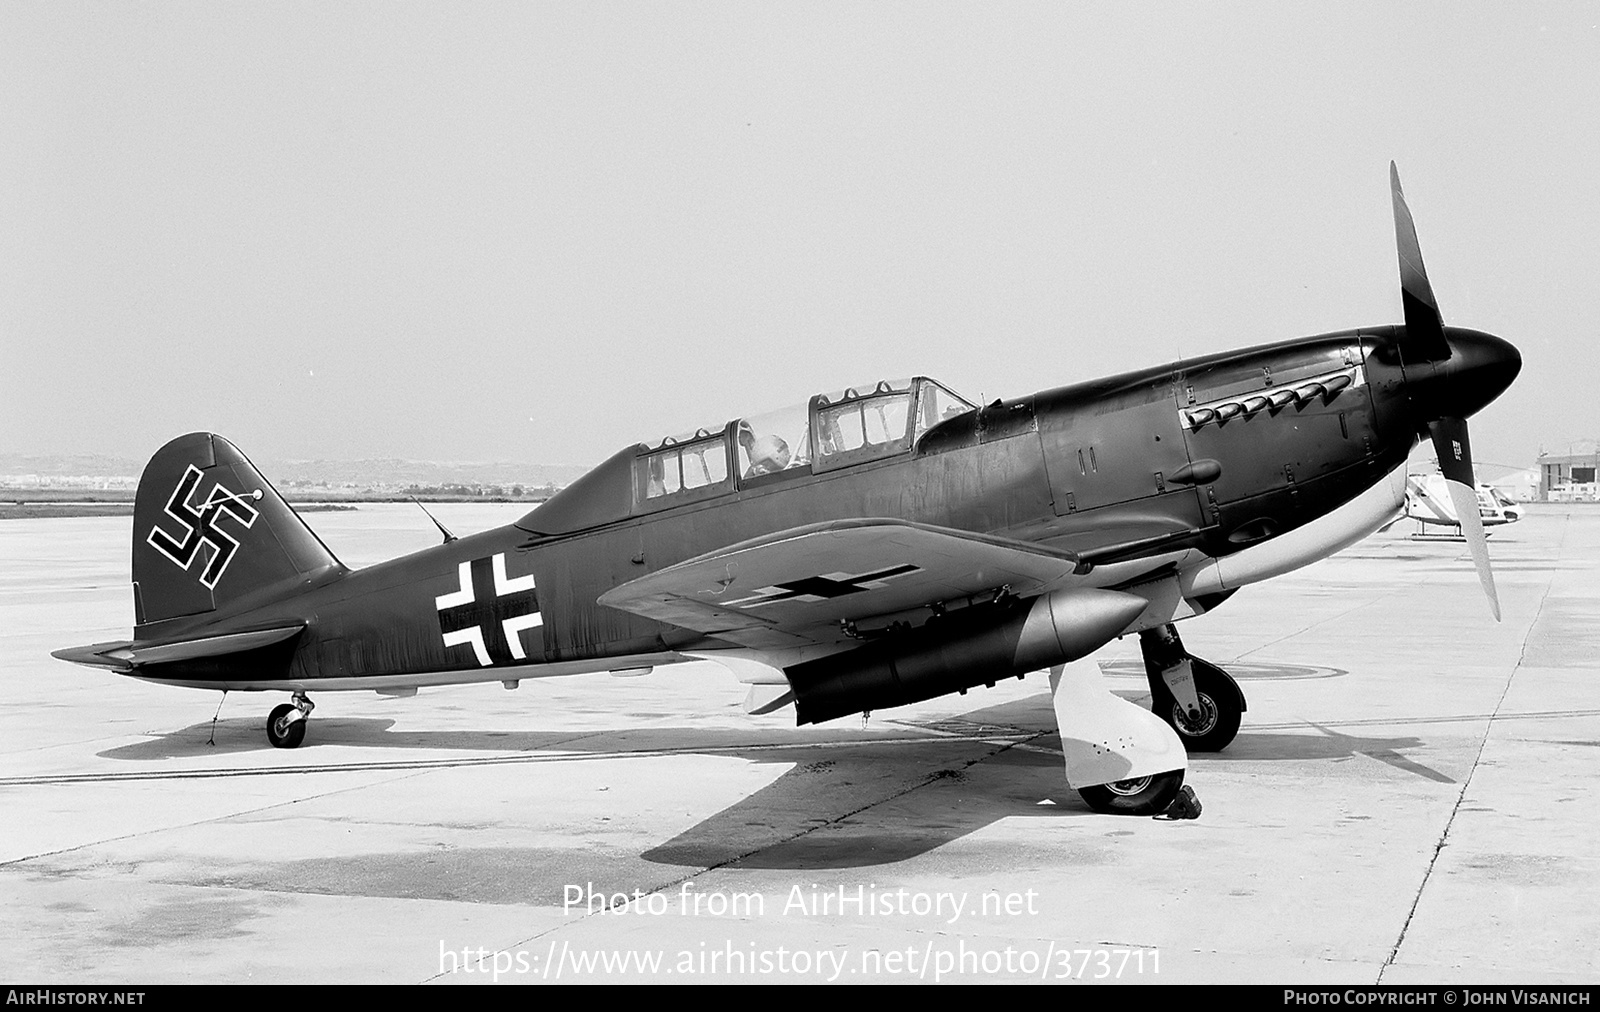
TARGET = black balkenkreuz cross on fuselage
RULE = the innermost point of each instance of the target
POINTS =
(877, 545)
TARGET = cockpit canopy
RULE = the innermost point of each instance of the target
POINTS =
(833, 430)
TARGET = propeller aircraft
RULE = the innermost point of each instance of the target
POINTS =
(879, 545)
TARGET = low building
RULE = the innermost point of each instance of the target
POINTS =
(1570, 476)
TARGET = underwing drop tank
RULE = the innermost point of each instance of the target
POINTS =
(960, 650)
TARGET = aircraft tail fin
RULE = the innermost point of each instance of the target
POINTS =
(208, 530)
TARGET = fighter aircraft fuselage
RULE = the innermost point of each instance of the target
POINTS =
(1209, 456)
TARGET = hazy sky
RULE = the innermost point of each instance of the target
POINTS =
(541, 232)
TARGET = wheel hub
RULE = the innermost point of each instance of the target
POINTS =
(1201, 725)
(1128, 788)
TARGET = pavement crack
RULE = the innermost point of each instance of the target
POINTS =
(13, 862)
(1466, 784)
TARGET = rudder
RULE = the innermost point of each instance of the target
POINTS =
(208, 530)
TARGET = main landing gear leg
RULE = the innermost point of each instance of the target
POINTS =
(1119, 756)
(1201, 701)
(286, 726)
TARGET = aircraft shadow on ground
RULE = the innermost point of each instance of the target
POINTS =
(247, 735)
(848, 799)
(235, 735)
(1329, 746)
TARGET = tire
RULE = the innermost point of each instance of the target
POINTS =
(282, 732)
(1221, 708)
(1144, 796)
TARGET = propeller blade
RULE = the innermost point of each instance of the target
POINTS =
(1424, 339)
(1455, 463)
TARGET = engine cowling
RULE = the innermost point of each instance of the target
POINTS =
(955, 651)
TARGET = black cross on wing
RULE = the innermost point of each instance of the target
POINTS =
(821, 588)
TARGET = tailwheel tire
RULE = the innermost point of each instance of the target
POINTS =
(1140, 796)
(1220, 710)
(285, 727)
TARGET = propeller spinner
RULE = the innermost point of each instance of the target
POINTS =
(1450, 372)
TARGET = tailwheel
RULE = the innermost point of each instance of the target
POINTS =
(286, 725)
(1221, 707)
(1149, 795)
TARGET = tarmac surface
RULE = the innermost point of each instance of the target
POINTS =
(1413, 799)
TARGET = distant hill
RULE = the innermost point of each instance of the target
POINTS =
(60, 465)
(394, 471)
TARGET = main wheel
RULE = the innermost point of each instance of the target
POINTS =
(285, 728)
(1142, 796)
(1220, 710)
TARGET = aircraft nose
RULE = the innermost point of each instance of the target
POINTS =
(1480, 367)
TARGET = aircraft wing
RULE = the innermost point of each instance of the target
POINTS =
(799, 586)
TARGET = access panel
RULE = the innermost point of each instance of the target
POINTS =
(1105, 448)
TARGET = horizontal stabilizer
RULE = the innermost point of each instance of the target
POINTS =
(128, 655)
